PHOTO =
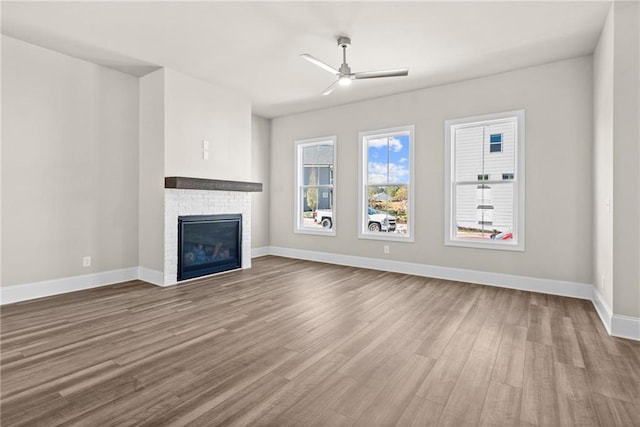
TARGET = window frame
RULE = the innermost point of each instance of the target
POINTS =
(363, 232)
(299, 183)
(518, 182)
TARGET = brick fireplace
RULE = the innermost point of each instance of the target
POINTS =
(192, 196)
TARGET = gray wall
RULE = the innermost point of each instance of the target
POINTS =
(603, 162)
(616, 178)
(197, 111)
(557, 98)
(260, 170)
(151, 171)
(85, 153)
(626, 151)
(69, 165)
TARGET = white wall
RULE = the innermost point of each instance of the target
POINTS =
(69, 165)
(616, 179)
(626, 148)
(1, 42)
(603, 162)
(557, 99)
(151, 171)
(260, 160)
(197, 111)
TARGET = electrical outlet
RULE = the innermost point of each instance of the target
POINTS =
(86, 261)
(386, 249)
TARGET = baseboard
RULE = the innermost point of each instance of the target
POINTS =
(603, 309)
(258, 252)
(616, 325)
(29, 291)
(547, 286)
(625, 327)
(151, 276)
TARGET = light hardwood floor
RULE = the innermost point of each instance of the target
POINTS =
(299, 343)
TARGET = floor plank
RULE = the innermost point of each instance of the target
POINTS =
(539, 402)
(389, 405)
(464, 406)
(420, 412)
(298, 343)
(501, 406)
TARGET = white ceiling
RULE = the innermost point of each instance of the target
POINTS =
(253, 47)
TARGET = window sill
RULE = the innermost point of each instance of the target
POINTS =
(390, 237)
(514, 247)
(321, 232)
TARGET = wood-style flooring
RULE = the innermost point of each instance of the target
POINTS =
(296, 343)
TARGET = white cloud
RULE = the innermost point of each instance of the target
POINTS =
(394, 143)
(378, 173)
(403, 160)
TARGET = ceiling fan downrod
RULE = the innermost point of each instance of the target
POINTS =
(344, 42)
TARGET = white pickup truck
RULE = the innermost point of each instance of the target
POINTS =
(378, 221)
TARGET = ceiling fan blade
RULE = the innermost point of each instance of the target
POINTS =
(320, 64)
(383, 73)
(330, 89)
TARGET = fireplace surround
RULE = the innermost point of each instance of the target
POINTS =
(184, 196)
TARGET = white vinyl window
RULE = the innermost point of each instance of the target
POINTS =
(314, 186)
(386, 184)
(484, 181)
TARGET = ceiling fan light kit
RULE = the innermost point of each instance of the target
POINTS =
(344, 74)
(344, 81)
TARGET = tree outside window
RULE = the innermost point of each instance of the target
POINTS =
(386, 158)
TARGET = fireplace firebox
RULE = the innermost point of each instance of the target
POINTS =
(208, 244)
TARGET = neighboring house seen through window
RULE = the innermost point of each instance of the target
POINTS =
(315, 180)
(386, 187)
(484, 197)
(495, 143)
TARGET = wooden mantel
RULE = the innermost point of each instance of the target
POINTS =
(184, 183)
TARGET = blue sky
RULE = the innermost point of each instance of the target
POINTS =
(394, 151)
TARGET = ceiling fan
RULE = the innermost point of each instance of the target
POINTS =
(344, 74)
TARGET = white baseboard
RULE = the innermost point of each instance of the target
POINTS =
(616, 325)
(28, 291)
(151, 276)
(547, 286)
(258, 252)
(603, 309)
(625, 327)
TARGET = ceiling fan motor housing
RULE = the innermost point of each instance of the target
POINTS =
(344, 41)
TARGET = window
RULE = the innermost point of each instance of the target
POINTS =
(495, 143)
(315, 181)
(385, 183)
(484, 194)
